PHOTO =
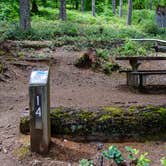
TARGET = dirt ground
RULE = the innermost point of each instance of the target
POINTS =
(75, 87)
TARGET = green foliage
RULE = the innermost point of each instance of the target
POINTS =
(9, 11)
(132, 48)
(143, 160)
(132, 152)
(105, 26)
(85, 162)
(110, 67)
(103, 53)
(150, 28)
(113, 153)
(163, 161)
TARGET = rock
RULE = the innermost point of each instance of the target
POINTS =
(4, 150)
(9, 125)
(36, 163)
(100, 146)
(65, 140)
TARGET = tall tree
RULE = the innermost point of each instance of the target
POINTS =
(82, 5)
(120, 8)
(77, 4)
(129, 13)
(62, 10)
(114, 6)
(93, 8)
(25, 14)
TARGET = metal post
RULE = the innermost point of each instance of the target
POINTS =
(39, 111)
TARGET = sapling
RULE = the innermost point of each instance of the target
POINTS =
(132, 153)
(143, 161)
(112, 153)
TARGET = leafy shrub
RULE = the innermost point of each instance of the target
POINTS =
(150, 28)
(110, 67)
(132, 48)
(163, 161)
(9, 11)
(85, 162)
(143, 160)
(113, 153)
(103, 53)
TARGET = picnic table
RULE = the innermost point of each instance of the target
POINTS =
(135, 77)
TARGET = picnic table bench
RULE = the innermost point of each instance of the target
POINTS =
(137, 78)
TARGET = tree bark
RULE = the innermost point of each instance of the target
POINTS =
(24, 15)
(93, 8)
(120, 8)
(34, 7)
(62, 12)
(77, 4)
(151, 4)
(82, 5)
(114, 6)
(129, 13)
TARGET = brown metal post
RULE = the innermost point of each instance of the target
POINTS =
(39, 111)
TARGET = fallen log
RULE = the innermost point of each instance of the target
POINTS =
(106, 123)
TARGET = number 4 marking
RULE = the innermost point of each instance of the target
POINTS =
(38, 112)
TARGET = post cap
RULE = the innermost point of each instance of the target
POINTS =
(39, 77)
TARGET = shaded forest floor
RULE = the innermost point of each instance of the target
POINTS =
(73, 87)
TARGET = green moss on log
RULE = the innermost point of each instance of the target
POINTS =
(134, 122)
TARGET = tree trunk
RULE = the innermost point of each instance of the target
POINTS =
(120, 8)
(93, 8)
(62, 12)
(77, 4)
(129, 13)
(151, 4)
(25, 15)
(34, 7)
(82, 5)
(114, 6)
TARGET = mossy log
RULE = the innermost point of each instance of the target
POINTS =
(134, 123)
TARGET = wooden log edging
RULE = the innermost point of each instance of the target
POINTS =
(134, 123)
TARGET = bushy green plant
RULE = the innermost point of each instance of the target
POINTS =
(113, 153)
(143, 160)
(110, 67)
(103, 54)
(163, 161)
(132, 48)
(85, 162)
(150, 28)
(132, 153)
(9, 11)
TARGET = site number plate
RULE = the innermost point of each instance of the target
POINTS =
(38, 112)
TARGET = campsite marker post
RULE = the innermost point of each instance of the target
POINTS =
(39, 102)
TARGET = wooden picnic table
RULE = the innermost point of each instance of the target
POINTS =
(135, 61)
(136, 78)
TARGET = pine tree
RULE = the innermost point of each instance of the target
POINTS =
(129, 13)
(93, 8)
(62, 12)
(25, 14)
(120, 8)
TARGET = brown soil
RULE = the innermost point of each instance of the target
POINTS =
(75, 87)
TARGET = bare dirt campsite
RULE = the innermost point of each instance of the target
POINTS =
(69, 87)
(82, 83)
